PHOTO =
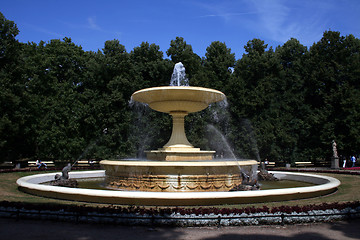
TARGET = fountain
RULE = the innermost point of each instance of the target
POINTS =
(178, 166)
(178, 173)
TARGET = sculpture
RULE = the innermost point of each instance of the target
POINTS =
(63, 180)
(335, 157)
(335, 154)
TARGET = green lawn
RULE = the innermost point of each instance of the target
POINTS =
(348, 191)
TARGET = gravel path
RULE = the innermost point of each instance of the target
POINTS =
(29, 229)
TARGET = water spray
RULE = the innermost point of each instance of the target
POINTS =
(90, 146)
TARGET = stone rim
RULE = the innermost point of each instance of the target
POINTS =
(31, 184)
(188, 95)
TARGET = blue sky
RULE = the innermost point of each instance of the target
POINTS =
(199, 22)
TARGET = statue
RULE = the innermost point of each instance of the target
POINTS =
(65, 171)
(264, 175)
(63, 180)
(335, 154)
(248, 183)
(335, 157)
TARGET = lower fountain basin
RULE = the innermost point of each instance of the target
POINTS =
(32, 184)
(176, 176)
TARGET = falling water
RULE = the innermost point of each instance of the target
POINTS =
(223, 147)
(220, 117)
(219, 112)
(221, 144)
(90, 146)
(251, 133)
(178, 77)
(140, 128)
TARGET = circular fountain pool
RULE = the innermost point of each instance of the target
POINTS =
(33, 184)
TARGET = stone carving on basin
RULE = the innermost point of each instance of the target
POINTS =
(175, 176)
(178, 166)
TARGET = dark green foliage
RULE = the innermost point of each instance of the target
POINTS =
(13, 112)
(54, 75)
(217, 67)
(60, 102)
(333, 86)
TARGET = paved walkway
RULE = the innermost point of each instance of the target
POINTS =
(29, 229)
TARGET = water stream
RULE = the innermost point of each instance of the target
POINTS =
(220, 144)
(90, 146)
(178, 77)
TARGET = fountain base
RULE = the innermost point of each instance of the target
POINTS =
(176, 176)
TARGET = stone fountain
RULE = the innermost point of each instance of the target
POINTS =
(178, 165)
(177, 174)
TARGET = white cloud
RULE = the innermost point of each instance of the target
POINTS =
(227, 15)
(44, 30)
(281, 20)
(92, 24)
(227, 10)
(275, 20)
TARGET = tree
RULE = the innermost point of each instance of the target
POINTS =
(150, 65)
(54, 74)
(60, 102)
(290, 99)
(333, 87)
(111, 81)
(218, 66)
(252, 102)
(13, 128)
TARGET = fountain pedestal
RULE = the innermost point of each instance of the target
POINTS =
(178, 148)
(178, 101)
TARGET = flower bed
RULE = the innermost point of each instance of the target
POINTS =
(182, 216)
(352, 168)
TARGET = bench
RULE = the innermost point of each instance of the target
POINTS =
(270, 164)
(48, 163)
(85, 163)
(304, 164)
(80, 163)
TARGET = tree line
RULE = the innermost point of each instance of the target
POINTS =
(285, 104)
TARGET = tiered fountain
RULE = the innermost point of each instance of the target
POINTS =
(178, 173)
(178, 166)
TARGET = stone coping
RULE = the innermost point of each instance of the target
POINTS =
(171, 93)
(179, 163)
(184, 99)
(31, 184)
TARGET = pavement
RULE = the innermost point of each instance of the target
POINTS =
(38, 229)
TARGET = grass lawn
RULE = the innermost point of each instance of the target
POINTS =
(348, 191)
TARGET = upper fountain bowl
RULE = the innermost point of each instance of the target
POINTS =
(178, 98)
